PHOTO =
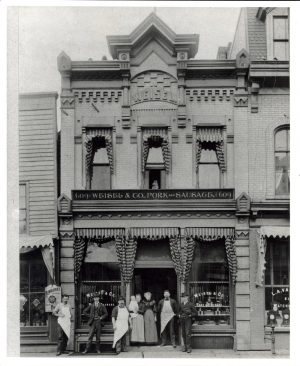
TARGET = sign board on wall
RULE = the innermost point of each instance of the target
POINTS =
(148, 194)
(52, 297)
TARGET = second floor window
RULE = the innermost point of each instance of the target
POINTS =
(208, 170)
(155, 174)
(101, 171)
(282, 162)
(281, 38)
(22, 209)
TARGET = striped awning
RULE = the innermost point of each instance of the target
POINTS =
(154, 232)
(29, 241)
(154, 131)
(209, 134)
(99, 232)
(275, 231)
(210, 233)
(92, 131)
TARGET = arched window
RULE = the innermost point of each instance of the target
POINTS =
(282, 161)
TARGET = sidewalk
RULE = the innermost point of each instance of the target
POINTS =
(170, 352)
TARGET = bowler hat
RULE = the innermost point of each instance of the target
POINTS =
(184, 294)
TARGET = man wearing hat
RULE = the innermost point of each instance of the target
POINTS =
(96, 312)
(186, 311)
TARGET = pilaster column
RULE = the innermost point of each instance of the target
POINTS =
(242, 287)
(66, 234)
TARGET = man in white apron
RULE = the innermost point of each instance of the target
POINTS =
(64, 314)
(121, 322)
(167, 308)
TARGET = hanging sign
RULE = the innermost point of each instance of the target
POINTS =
(52, 297)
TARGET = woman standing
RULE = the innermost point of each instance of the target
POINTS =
(137, 334)
(150, 319)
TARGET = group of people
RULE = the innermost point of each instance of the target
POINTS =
(139, 319)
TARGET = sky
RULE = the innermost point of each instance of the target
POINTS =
(81, 32)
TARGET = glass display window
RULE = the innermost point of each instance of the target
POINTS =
(100, 273)
(33, 280)
(209, 285)
(277, 289)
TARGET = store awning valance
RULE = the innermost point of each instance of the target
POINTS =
(99, 232)
(211, 138)
(278, 232)
(209, 134)
(154, 232)
(209, 233)
(29, 241)
(275, 231)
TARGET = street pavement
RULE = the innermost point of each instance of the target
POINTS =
(170, 352)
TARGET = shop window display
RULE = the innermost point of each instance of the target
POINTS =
(33, 280)
(209, 285)
(277, 289)
(100, 273)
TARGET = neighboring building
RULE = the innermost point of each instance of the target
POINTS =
(175, 174)
(38, 217)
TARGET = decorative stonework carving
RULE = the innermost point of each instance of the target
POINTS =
(242, 234)
(64, 204)
(67, 102)
(242, 60)
(206, 95)
(153, 86)
(98, 96)
(67, 235)
(241, 101)
(254, 97)
(243, 203)
(162, 215)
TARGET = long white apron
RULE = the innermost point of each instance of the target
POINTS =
(121, 324)
(65, 321)
(166, 315)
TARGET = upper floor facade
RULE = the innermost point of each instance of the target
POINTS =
(156, 118)
(38, 164)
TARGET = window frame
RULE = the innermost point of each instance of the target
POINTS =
(271, 285)
(275, 151)
(276, 13)
(26, 184)
(210, 163)
(110, 178)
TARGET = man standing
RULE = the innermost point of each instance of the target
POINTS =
(120, 320)
(186, 311)
(64, 314)
(167, 308)
(96, 312)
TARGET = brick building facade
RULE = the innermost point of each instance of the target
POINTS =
(175, 174)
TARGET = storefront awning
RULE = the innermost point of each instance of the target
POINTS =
(29, 241)
(210, 233)
(99, 232)
(209, 134)
(275, 231)
(154, 232)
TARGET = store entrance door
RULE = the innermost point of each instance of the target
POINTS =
(155, 280)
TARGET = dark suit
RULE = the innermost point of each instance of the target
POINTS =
(170, 326)
(186, 312)
(95, 314)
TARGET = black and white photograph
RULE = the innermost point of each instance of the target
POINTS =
(149, 181)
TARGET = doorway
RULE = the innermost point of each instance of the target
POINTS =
(156, 280)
